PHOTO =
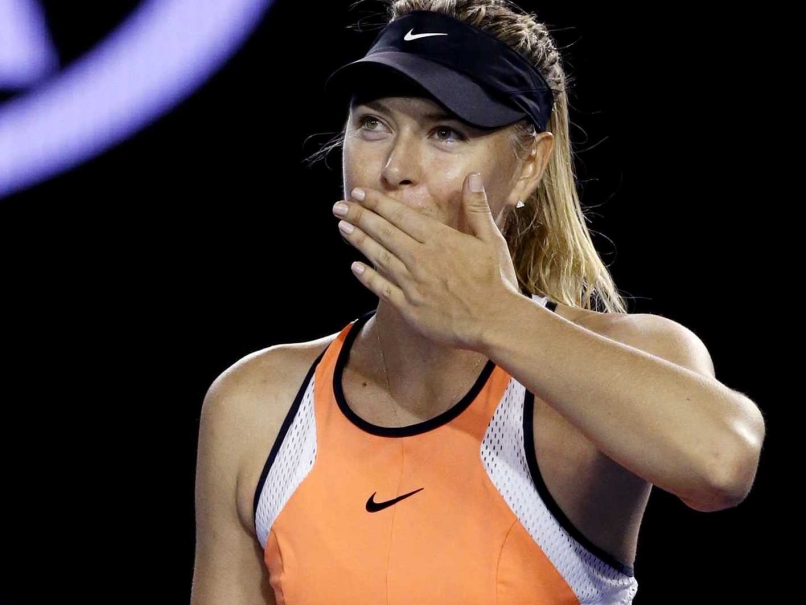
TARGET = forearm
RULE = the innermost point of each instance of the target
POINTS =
(682, 431)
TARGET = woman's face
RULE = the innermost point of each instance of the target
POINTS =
(413, 151)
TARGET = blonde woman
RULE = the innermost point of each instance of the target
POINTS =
(492, 431)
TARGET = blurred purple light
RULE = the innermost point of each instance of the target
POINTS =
(154, 60)
(26, 51)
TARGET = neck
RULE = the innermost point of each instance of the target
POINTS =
(424, 377)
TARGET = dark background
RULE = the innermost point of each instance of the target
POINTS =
(131, 282)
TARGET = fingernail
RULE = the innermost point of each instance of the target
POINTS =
(359, 194)
(476, 186)
(340, 209)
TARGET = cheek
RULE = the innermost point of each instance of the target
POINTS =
(447, 179)
(357, 155)
(354, 167)
(498, 187)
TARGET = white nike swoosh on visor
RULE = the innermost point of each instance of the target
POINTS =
(410, 36)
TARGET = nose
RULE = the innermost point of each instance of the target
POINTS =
(402, 165)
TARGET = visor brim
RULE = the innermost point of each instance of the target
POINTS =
(455, 91)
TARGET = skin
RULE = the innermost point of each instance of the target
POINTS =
(392, 145)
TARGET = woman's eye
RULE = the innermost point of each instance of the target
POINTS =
(365, 122)
(459, 136)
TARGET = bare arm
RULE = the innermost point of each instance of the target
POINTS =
(228, 567)
(673, 425)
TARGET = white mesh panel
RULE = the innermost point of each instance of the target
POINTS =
(292, 464)
(504, 457)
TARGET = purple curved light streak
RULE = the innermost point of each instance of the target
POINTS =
(159, 56)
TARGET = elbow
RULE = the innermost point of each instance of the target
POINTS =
(731, 477)
(724, 490)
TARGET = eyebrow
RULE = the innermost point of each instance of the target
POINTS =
(434, 115)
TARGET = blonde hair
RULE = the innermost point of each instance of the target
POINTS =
(548, 238)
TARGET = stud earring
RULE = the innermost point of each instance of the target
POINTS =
(520, 204)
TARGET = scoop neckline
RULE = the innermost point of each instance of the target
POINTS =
(399, 431)
(419, 427)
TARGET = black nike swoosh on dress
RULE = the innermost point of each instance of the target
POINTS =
(374, 507)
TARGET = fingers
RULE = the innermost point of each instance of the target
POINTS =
(378, 255)
(385, 230)
(379, 285)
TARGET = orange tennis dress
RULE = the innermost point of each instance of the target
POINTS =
(450, 511)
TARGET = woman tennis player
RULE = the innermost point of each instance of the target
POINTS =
(491, 432)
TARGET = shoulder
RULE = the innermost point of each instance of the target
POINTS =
(255, 376)
(653, 334)
(659, 336)
(244, 408)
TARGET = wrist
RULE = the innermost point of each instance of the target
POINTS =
(506, 308)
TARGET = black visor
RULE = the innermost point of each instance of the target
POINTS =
(469, 71)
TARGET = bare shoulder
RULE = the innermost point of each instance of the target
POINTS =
(650, 333)
(250, 399)
(241, 413)
(657, 335)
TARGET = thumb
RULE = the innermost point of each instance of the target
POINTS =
(477, 208)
